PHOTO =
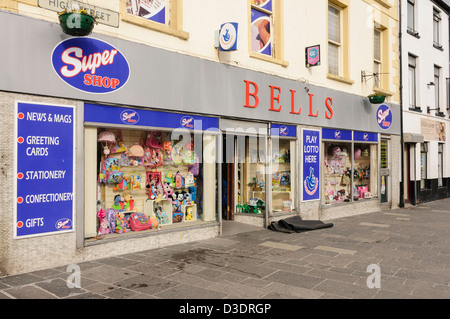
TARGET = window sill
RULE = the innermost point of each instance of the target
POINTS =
(415, 109)
(268, 59)
(413, 33)
(340, 79)
(384, 3)
(142, 22)
(438, 46)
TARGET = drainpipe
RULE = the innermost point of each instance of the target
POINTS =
(402, 182)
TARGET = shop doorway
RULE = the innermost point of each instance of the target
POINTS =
(243, 176)
(228, 181)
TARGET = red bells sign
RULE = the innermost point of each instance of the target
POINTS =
(251, 89)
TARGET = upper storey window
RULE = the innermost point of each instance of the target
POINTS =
(154, 10)
(266, 30)
(164, 16)
(261, 26)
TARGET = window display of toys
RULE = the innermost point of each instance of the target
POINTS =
(167, 197)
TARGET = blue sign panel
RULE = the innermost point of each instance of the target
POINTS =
(282, 130)
(117, 115)
(365, 136)
(311, 165)
(384, 116)
(228, 36)
(90, 65)
(44, 169)
(332, 134)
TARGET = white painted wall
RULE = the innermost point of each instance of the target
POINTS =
(427, 57)
(304, 23)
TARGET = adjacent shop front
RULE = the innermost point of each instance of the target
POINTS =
(177, 140)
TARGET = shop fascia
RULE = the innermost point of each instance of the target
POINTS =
(252, 100)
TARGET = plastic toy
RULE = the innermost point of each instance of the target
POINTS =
(121, 224)
(189, 213)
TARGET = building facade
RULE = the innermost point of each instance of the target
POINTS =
(425, 96)
(191, 113)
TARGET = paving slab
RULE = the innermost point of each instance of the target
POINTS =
(411, 246)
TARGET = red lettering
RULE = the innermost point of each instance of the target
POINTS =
(106, 82)
(293, 103)
(276, 98)
(311, 106)
(114, 83)
(87, 79)
(254, 94)
(328, 104)
(97, 80)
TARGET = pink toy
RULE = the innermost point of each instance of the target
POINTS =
(103, 228)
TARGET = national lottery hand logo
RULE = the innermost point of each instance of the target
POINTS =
(311, 182)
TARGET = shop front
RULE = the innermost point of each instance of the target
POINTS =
(146, 142)
(152, 170)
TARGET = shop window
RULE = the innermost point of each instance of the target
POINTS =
(160, 15)
(423, 164)
(365, 171)
(283, 175)
(337, 176)
(160, 174)
(349, 177)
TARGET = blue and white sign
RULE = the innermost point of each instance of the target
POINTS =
(90, 65)
(332, 134)
(384, 116)
(96, 113)
(282, 130)
(365, 136)
(44, 171)
(311, 165)
(228, 36)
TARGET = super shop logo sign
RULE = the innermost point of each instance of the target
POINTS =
(90, 65)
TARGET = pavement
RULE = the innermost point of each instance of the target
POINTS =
(391, 254)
